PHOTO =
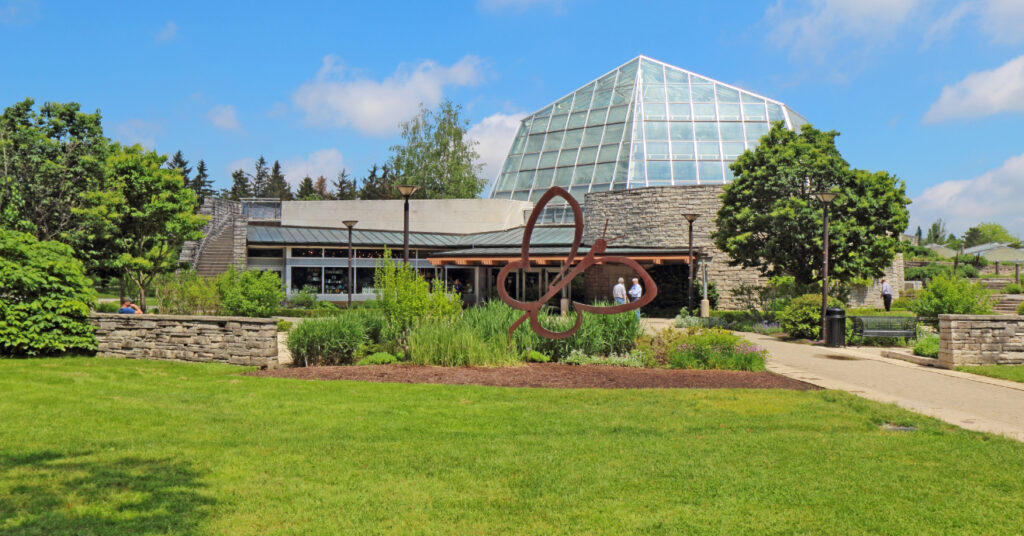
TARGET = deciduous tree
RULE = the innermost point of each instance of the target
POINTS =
(988, 233)
(436, 155)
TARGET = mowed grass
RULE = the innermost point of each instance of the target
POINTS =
(111, 446)
(1006, 372)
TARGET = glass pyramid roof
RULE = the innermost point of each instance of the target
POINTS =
(645, 123)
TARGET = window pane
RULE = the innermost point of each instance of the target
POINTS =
(622, 94)
(657, 150)
(519, 144)
(748, 98)
(564, 104)
(597, 116)
(604, 172)
(530, 161)
(512, 163)
(754, 112)
(706, 131)
(568, 157)
(703, 93)
(726, 94)
(544, 178)
(681, 130)
(659, 173)
(704, 111)
(525, 180)
(602, 98)
(651, 72)
(675, 76)
(710, 172)
(583, 175)
(534, 143)
(554, 141)
(306, 277)
(775, 112)
(678, 112)
(335, 280)
(506, 181)
(588, 155)
(755, 131)
(679, 93)
(599, 186)
(582, 98)
(545, 112)
(729, 112)
(637, 176)
(540, 124)
(684, 172)
(608, 153)
(617, 114)
(548, 159)
(682, 150)
(732, 131)
(708, 151)
(654, 93)
(592, 136)
(731, 150)
(656, 130)
(606, 81)
(613, 133)
(563, 177)
(577, 119)
(558, 122)
(654, 111)
(521, 195)
(627, 71)
(572, 138)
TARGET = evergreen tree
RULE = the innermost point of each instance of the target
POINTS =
(320, 186)
(344, 187)
(202, 185)
(306, 191)
(936, 233)
(240, 187)
(179, 163)
(917, 235)
(260, 179)
(380, 186)
(277, 187)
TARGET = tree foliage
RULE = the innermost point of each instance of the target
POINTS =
(249, 292)
(277, 187)
(306, 191)
(769, 219)
(382, 186)
(948, 295)
(437, 156)
(44, 298)
(988, 233)
(936, 233)
(202, 185)
(405, 298)
(320, 187)
(344, 187)
(240, 187)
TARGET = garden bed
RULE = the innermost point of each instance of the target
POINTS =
(551, 375)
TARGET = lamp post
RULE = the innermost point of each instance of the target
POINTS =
(407, 192)
(351, 277)
(690, 217)
(705, 303)
(826, 200)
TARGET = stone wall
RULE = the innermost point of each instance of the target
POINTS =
(871, 296)
(212, 339)
(239, 251)
(980, 340)
(653, 217)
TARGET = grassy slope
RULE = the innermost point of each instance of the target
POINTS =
(107, 446)
(1006, 372)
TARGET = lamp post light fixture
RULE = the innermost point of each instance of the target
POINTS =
(351, 277)
(705, 303)
(690, 217)
(826, 200)
(407, 192)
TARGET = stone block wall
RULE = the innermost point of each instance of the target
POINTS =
(871, 296)
(980, 340)
(211, 339)
(239, 238)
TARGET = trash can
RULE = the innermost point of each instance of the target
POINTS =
(835, 327)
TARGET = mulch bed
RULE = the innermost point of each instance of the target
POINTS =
(548, 375)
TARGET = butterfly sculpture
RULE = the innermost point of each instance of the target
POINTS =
(572, 268)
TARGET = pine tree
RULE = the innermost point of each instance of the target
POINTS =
(260, 179)
(344, 187)
(277, 187)
(240, 187)
(380, 186)
(202, 185)
(320, 187)
(306, 191)
(179, 163)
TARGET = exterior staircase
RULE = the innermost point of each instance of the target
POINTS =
(1004, 304)
(217, 253)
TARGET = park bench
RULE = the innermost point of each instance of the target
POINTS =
(885, 326)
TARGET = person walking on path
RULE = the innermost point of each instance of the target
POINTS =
(635, 292)
(886, 294)
(619, 292)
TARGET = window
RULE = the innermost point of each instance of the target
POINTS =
(265, 253)
(335, 280)
(305, 277)
(307, 252)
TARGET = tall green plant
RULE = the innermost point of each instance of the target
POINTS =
(802, 318)
(405, 299)
(187, 293)
(329, 340)
(947, 295)
(249, 292)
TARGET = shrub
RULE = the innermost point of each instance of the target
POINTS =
(716, 349)
(187, 293)
(633, 358)
(930, 271)
(927, 346)
(284, 325)
(662, 343)
(249, 292)
(330, 340)
(378, 358)
(534, 356)
(802, 318)
(948, 295)
(303, 299)
(1020, 310)
(373, 320)
(44, 298)
(405, 299)
(107, 307)
(455, 344)
(1013, 288)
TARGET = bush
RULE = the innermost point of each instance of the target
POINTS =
(534, 356)
(455, 344)
(716, 349)
(373, 320)
(927, 346)
(249, 293)
(330, 340)
(378, 358)
(284, 325)
(187, 293)
(1013, 288)
(948, 295)
(44, 298)
(405, 299)
(930, 271)
(802, 318)
(303, 299)
(634, 358)
(107, 307)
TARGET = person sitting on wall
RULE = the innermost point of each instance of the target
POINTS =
(129, 308)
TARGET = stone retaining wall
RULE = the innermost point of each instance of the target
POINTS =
(980, 340)
(212, 339)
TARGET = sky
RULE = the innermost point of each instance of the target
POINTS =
(929, 90)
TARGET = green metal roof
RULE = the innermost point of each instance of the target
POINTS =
(315, 236)
(539, 251)
(557, 235)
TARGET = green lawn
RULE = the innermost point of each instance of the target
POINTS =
(109, 446)
(1005, 372)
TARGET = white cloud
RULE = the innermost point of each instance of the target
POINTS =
(558, 6)
(1002, 20)
(225, 117)
(277, 110)
(993, 196)
(941, 27)
(814, 27)
(326, 162)
(981, 93)
(138, 131)
(494, 134)
(377, 107)
(167, 32)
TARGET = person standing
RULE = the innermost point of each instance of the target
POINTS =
(635, 292)
(886, 294)
(619, 292)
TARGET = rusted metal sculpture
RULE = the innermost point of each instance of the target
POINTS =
(568, 272)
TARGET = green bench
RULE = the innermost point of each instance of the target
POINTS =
(885, 326)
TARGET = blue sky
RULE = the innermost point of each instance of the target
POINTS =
(930, 90)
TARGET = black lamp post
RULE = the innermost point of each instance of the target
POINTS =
(690, 217)
(407, 192)
(351, 279)
(826, 199)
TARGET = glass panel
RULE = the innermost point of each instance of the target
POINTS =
(657, 150)
(589, 154)
(564, 104)
(621, 172)
(710, 172)
(681, 131)
(638, 151)
(654, 93)
(706, 131)
(655, 111)
(755, 131)
(708, 151)
(525, 180)
(608, 153)
(775, 112)
(704, 111)
(506, 181)
(624, 151)
(522, 195)
(548, 159)
(622, 94)
(679, 93)
(604, 172)
(627, 71)
(613, 133)
(558, 122)
(727, 94)
(568, 157)
(307, 252)
(675, 76)
(754, 112)
(617, 114)
(732, 131)
(530, 161)
(545, 112)
(260, 252)
(577, 119)
(572, 138)
(682, 150)
(651, 72)
(694, 79)
(582, 100)
(534, 143)
(306, 277)
(512, 163)
(519, 144)
(637, 178)
(599, 186)
(731, 150)
(554, 141)
(504, 194)
(579, 192)
(728, 171)
(606, 81)
(602, 98)
(597, 116)
(335, 280)
(540, 124)
(536, 195)
(583, 175)
(703, 93)
(729, 112)
(656, 130)
(544, 178)
(748, 98)
(684, 172)
(563, 177)
(592, 136)
(659, 174)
